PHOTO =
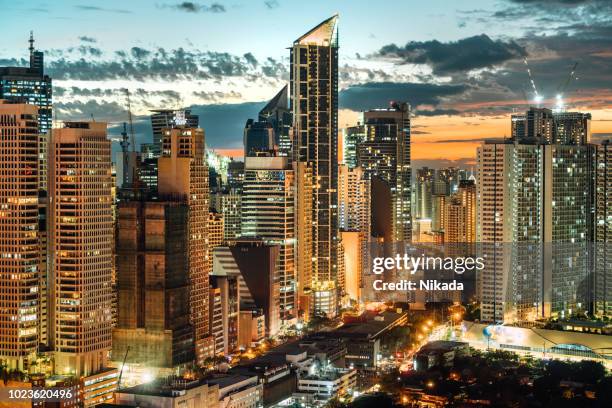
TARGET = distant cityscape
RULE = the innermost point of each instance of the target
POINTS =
(171, 275)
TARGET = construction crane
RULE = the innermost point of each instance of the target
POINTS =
(537, 97)
(563, 87)
(127, 350)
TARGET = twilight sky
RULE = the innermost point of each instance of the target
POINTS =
(459, 64)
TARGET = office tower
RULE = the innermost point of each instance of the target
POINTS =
(229, 204)
(467, 195)
(254, 264)
(80, 245)
(602, 279)
(148, 174)
(353, 135)
(438, 213)
(225, 287)
(268, 212)
(277, 113)
(455, 228)
(353, 200)
(235, 176)
(30, 85)
(258, 137)
(572, 128)
(303, 235)
(167, 119)
(535, 197)
(21, 264)
(215, 233)
(424, 190)
(215, 318)
(385, 159)
(314, 103)
(153, 320)
(354, 210)
(518, 124)
(183, 173)
(448, 179)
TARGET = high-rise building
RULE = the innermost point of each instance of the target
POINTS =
(353, 135)
(167, 119)
(303, 235)
(30, 85)
(572, 128)
(384, 157)
(183, 173)
(277, 113)
(539, 125)
(602, 279)
(253, 264)
(216, 237)
(534, 208)
(21, 263)
(235, 176)
(425, 177)
(258, 137)
(227, 299)
(268, 212)
(467, 195)
(80, 244)
(229, 204)
(153, 317)
(354, 209)
(518, 123)
(314, 103)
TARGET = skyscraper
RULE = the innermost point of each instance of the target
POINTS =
(572, 128)
(229, 204)
(314, 103)
(169, 118)
(153, 316)
(21, 272)
(183, 173)
(353, 135)
(268, 212)
(31, 85)
(277, 113)
(80, 244)
(385, 158)
(534, 207)
(258, 137)
(602, 279)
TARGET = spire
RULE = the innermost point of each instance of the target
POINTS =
(324, 34)
(31, 41)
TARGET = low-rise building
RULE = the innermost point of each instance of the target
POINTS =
(439, 354)
(239, 391)
(170, 392)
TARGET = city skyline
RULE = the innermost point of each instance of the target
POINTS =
(462, 81)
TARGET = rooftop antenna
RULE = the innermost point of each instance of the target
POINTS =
(31, 41)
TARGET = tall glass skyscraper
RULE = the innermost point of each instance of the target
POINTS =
(314, 103)
(30, 85)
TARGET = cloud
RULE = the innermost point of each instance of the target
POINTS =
(87, 39)
(471, 140)
(192, 7)
(95, 8)
(378, 94)
(160, 63)
(271, 4)
(102, 111)
(469, 53)
(436, 112)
